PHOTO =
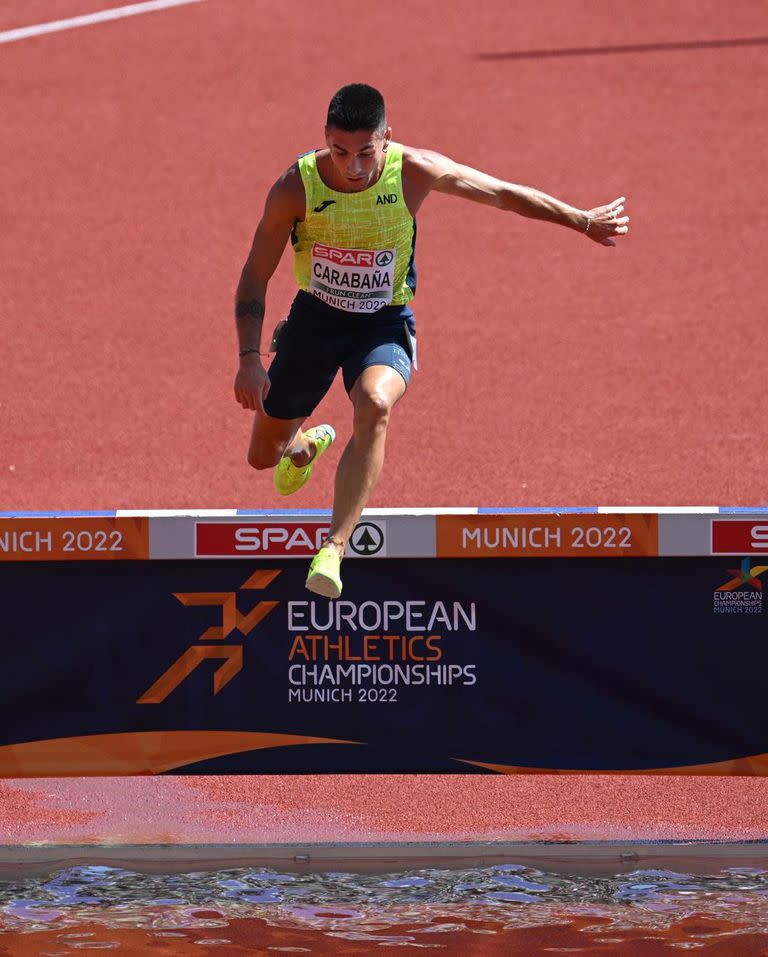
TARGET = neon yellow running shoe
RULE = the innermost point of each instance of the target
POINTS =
(324, 578)
(288, 478)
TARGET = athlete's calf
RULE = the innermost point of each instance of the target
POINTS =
(272, 438)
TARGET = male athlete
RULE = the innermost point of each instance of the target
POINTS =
(350, 211)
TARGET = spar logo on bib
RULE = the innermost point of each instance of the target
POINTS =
(356, 280)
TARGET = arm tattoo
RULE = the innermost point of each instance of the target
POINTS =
(252, 309)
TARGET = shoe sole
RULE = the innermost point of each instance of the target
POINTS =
(321, 584)
(326, 428)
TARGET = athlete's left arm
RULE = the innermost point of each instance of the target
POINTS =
(436, 172)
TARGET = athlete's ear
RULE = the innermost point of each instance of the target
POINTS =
(387, 138)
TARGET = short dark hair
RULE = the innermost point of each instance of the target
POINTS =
(357, 106)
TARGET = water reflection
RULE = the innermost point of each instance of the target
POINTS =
(503, 909)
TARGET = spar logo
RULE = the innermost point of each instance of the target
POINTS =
(344, 257)
(252, 539)
(743, 592)
(232, 620)
(739, 537)
(270, 538)
(367, 539)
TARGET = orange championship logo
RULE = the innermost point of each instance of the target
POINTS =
(232, 619)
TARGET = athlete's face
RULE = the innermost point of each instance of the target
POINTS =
(358, 157)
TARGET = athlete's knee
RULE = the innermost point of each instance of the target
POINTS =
(372, 410)
(262, 456)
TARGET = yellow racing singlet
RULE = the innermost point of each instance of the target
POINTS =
(355, 251)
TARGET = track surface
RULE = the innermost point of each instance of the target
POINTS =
(291, 809)
(553, 371)
(136, 156)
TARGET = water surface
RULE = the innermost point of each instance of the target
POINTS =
(506, 909)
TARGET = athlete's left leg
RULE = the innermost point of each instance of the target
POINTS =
(374, 389)
(374, 395)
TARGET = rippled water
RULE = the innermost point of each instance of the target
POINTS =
(505, 909)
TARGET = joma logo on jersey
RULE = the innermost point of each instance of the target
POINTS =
(386, 199)
(344, 257)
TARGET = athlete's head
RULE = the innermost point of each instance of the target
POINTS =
(357, 134)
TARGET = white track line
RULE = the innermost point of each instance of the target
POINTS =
(100, 16)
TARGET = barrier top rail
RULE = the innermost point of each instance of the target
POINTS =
(461, 532)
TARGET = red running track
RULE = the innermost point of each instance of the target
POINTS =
(311, 810)
(136, 155)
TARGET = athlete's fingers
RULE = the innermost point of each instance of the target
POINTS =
(245, 400)
(255, 401)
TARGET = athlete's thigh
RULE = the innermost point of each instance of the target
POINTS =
(386, 347)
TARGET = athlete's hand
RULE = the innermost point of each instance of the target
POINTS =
(251, 384)
(607, 221)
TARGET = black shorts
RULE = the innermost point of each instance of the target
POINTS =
(318, 340)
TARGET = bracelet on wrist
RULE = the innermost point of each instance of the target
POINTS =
(586, 228)
(247, 352)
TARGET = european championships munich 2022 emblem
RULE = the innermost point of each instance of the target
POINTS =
(742, 594)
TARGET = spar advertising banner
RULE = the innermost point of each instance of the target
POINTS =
(452, 665)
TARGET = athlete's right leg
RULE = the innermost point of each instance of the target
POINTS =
(272, 438)
(300, 374)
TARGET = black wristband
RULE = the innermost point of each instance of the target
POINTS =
(245, 352)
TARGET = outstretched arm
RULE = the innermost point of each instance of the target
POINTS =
(437, 172)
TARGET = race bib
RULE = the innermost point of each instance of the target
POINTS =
(356, 280)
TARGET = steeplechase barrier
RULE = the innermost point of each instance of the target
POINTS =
(466, 640)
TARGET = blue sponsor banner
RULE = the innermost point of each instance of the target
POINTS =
(449, 665)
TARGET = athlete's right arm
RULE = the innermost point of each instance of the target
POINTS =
(284, 205)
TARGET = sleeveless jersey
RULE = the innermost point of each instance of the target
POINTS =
(355, 251)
